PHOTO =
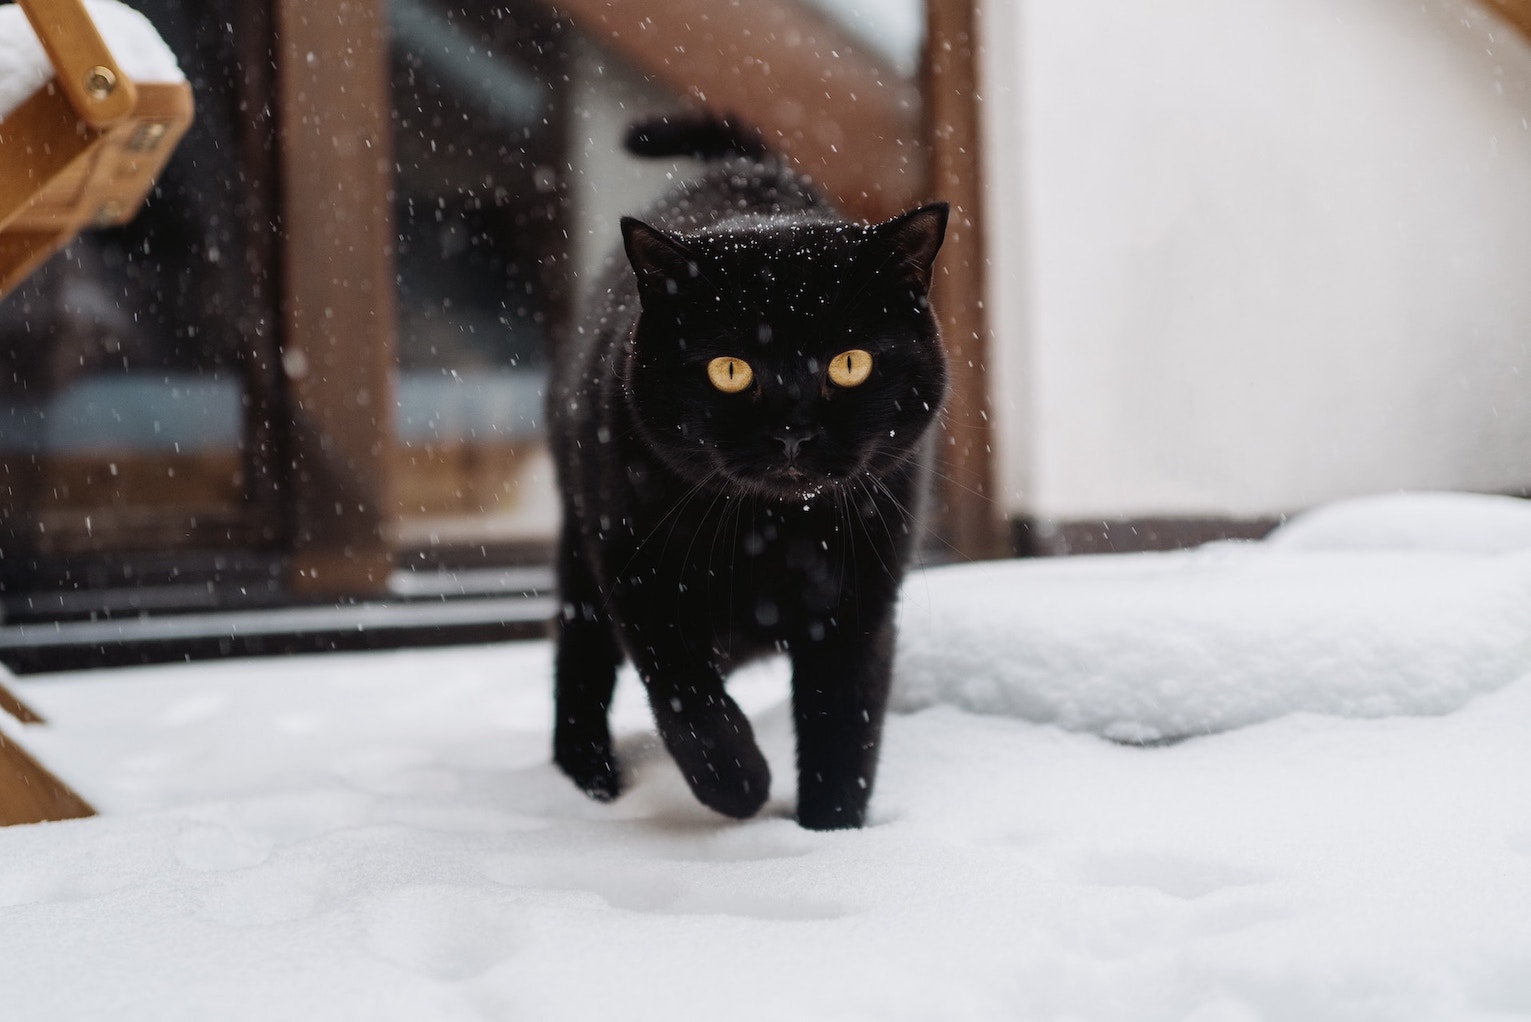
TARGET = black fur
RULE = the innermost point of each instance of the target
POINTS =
(702, 137)
(701, 528)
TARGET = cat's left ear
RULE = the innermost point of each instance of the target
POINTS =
(660, 261)
(914, 238)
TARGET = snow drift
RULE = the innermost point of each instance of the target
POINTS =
(1410, 604)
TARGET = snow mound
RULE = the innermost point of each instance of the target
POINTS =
(1149, 647)
(139, 50)
(1471, 523)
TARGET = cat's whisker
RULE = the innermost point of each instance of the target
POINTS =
(987, 498)
(846, 547)
(911, 519)
(907, 517)
(911, 522)
(733, 573)
(892, 543)
(673, 513)
(732, 508)
(950, 424)
(720, 495)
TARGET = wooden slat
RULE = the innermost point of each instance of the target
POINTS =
(338, 288)
(816, 93)
(30, 793)
(138, 149)
(40, 139)
(971, 519)
(12, 704)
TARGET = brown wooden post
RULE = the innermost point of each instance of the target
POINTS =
(338, 288)
(1516, 12)
(971, 518)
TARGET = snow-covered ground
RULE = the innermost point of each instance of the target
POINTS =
(1346, 835)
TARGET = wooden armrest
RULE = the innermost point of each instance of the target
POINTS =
(96, 86)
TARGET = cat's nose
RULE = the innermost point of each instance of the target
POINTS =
(792, 442)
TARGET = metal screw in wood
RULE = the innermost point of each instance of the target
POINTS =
(100, 82)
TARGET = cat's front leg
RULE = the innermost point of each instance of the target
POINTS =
(706, 732)
(840, 689)
(585, 674)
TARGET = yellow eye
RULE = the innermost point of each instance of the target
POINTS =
(850, 368)
(730, 375)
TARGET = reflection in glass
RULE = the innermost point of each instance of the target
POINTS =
(480, 138)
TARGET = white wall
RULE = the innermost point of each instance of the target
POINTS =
(1249, 255)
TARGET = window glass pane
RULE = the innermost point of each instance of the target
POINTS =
(480, 156)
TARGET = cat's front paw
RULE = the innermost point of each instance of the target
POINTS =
(592, 767)
(828, 806)
(726, 770)
(737, 790)
(830, 818)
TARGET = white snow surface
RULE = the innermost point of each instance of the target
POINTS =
(381, 835)
(1147, 647)
(138, 48)
(1470, 523)
(1374, 607)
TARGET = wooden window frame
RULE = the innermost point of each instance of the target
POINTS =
(338, 309)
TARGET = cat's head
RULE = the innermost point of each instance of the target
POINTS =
(786, 355)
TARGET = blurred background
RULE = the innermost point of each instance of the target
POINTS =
(1211, 264)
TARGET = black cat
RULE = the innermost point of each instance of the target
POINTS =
(742, 435)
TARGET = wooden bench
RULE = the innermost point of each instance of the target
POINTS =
(84, 149)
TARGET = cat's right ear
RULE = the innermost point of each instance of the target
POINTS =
(661, 262)
(915, 238)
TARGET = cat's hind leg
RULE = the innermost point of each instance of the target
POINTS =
(585, 674)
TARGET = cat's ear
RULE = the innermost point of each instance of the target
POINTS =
(912, 240)
(661, 262)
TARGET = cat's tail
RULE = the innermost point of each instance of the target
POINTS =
(701, 135)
